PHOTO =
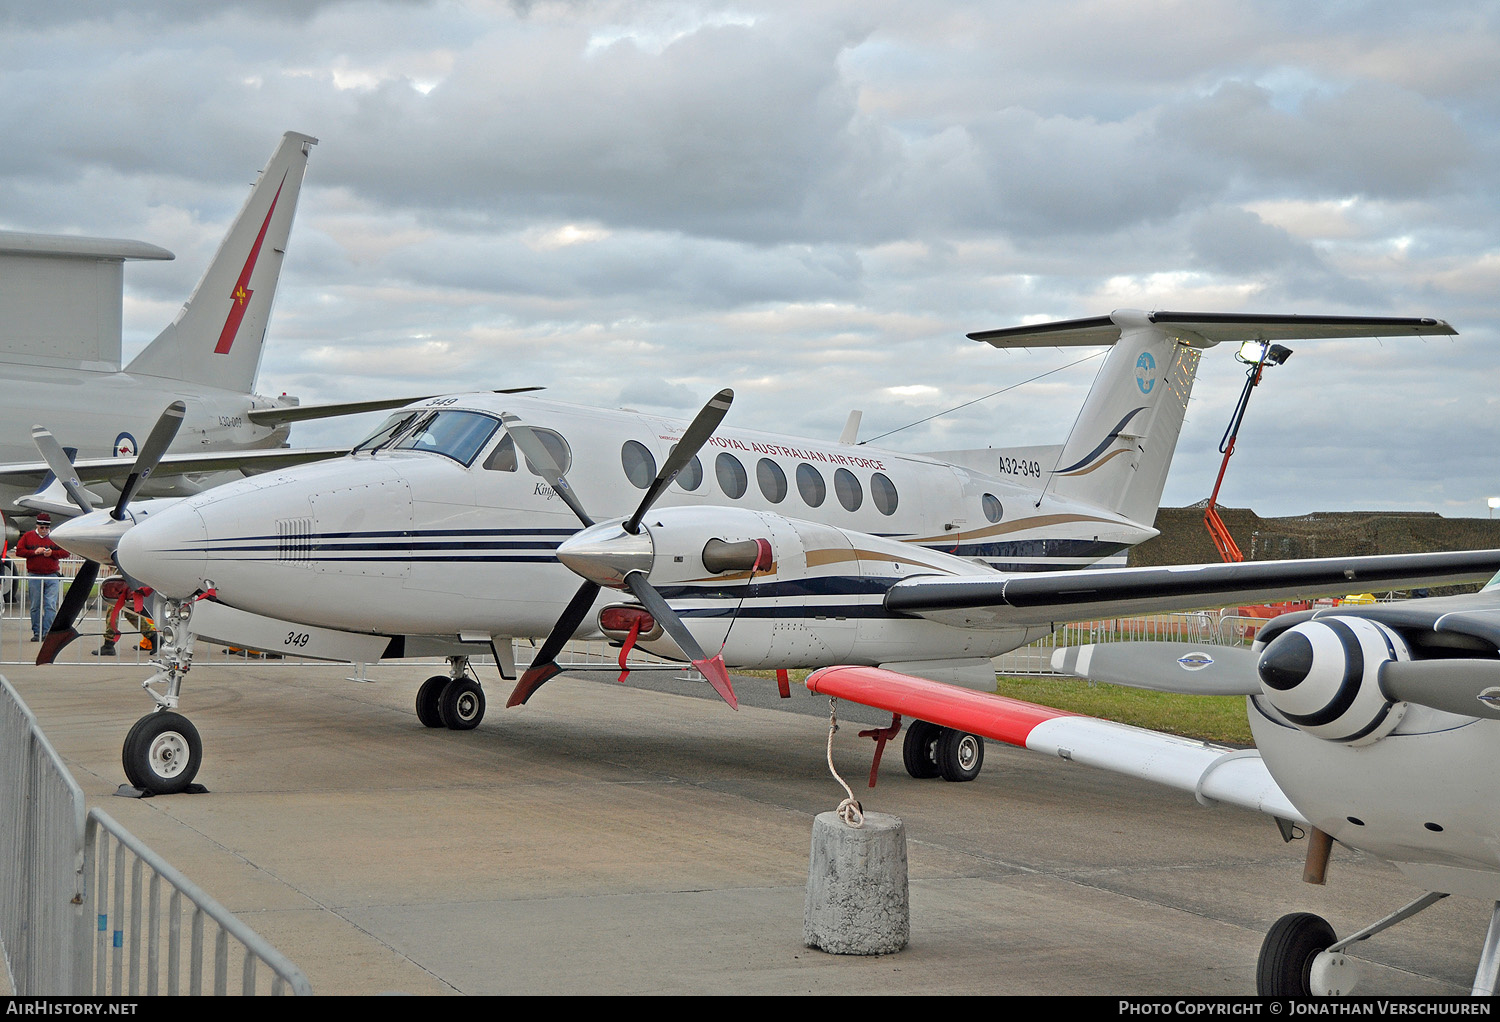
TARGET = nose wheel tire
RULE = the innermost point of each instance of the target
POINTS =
(162, 753)
(1286, 955)
(461, 704)
(959, 755)
(428, 697)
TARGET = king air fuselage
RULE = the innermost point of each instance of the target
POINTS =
(454, 535)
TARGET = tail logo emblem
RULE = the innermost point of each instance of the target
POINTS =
(1145, 372)
(239, 298)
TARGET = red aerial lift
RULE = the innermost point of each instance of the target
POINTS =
(1257, 355)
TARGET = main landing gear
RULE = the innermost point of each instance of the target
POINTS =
(931, 750)
(453, 700)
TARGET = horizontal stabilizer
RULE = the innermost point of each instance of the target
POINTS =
(1212, 328)
(1190, 668)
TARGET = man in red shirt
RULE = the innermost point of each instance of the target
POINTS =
(42, 591)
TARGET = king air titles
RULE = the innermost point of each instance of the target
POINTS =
(851, 460)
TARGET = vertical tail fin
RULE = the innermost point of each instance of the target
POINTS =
(217, 337)
(1121, 447)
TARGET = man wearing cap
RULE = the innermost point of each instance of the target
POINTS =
(41, 556)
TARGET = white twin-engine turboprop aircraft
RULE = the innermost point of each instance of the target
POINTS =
(454, 529)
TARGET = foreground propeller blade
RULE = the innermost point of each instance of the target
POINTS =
(1461, 685)
(712, 669)
(544, 665)
(62, 631)
(57, 461)
(162, 435)
(693, 438)
(541, 459)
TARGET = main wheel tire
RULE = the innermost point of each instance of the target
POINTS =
(428, 697)
(461, 706)
(919, 750)
(959, 755)
(162, 753)
(1286, 956)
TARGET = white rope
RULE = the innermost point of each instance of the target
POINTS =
(849, 810)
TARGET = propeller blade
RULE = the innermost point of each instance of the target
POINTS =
(1186, 667)
(62, 631)
(544, 665)
(57, 461)
(693, 438)
(712, 669)
(162, 435)
(546, 466)
(1467, 686)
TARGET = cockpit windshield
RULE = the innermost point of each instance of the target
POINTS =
(1492, 584)
(388, 431)
(455, 434)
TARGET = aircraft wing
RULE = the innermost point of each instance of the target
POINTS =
(1045, 597)
(1213, 773)
(301, 413)
(92, 470)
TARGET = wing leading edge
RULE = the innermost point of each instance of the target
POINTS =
(1044, 597)
(1212, 773)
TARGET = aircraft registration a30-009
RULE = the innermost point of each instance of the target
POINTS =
(466, 522)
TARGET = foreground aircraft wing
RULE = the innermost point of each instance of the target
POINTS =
(282, 414)
(90, 470)
(1214, 328)
(1043, 597)
(1213, 773)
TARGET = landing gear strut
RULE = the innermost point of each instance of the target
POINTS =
(930, 750)
(453, 700)
(162, 751)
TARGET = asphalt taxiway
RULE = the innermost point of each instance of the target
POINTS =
(607, 839)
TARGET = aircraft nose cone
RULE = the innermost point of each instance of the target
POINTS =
(166, 552)
(1286, 661)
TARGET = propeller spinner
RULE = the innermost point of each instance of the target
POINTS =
(92, 535)
(618, 554)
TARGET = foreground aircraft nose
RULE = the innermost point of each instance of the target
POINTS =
(166, 552)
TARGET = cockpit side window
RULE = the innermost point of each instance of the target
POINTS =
(452, 433)
(503, 457)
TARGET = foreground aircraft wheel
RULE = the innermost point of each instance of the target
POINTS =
(919, 750)
(1286, 955)
(461, 705)
(959, 755)
(428, 697)
(162, 753)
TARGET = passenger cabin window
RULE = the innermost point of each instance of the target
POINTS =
(846, 487)
(883, 493)
(454, 434)
(731, 475)
(992, 508)
(691, 476)
(810, 484)
(640, 466)
(771, 480)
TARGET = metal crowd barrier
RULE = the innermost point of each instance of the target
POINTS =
(64, 873)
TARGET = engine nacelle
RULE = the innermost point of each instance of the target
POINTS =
(1322, 676)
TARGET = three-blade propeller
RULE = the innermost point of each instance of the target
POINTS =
(544, 665)
(151, 453)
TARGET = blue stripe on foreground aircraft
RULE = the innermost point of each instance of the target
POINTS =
(1375, 726)
(455, 529)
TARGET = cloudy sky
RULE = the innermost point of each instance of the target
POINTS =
(637, 203)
